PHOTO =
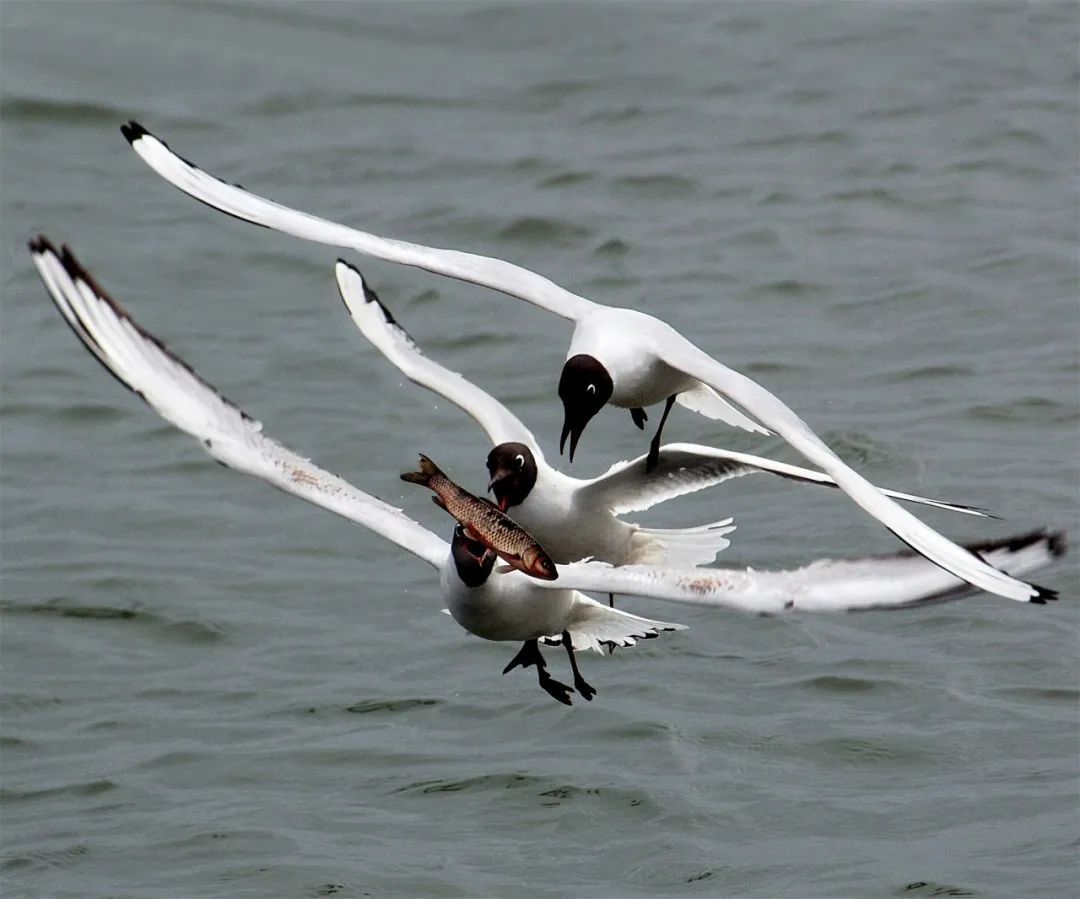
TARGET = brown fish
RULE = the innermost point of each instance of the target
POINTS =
(484, 522)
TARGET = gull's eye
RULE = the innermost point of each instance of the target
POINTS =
(591, 388)
(519, 461)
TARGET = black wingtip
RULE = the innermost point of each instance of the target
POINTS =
(133, 131)
(1043, 595)
(1057, 544)
(73, 266)
(41, 244)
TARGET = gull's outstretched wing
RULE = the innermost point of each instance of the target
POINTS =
(242, 204)
(175, 391)
(879, 582)
(679, 353)
(390, 339)
(688, 467)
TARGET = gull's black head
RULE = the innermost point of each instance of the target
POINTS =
(473, 560)
(512, 467)
(584, 388)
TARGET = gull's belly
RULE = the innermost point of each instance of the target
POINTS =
(643, 382)
(508, 607)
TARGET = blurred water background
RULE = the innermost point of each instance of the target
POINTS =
(211, 689)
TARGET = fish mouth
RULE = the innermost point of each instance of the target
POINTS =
(544, 574)
(538, 564)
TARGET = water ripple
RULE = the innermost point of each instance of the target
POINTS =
(1036, 409)
(929, 888)
(612, 248)
(292, 103)
(536, 229)
(483, 783)
(828, 683)
(656, 186)
(866, 751)
(46, 858)
(858, 447)
(188, 631)
(25, 110)
(86, 788)
(565, 179)
(392, 706)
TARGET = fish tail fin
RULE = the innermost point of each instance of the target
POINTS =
(428, 470)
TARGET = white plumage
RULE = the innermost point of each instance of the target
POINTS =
(646, 359)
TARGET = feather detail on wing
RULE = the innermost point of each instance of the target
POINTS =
(233, 200)
(687, 467)
(680, 547)
(878, 582)
(682, 355)
(705, 401)
(599, 627)
(175, 391)
(389, 338)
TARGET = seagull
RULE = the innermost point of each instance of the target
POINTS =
(510, 606)
(575, 517)
(617, 355)
(502, 607)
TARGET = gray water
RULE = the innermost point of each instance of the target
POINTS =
(212, 689)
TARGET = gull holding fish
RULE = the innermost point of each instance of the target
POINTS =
(575, 517)
(510, 606)
(617, 356)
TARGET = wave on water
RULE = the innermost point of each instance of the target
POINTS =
(185, 630)
(27, 110)
(536, 229)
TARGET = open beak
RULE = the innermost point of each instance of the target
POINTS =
(499, 475)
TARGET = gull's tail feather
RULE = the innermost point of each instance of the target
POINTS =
(680, 547)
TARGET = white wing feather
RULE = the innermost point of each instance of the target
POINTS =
(236, 201)
(390, 339)
(878, 582)
(596, 626)
(682, 355)
(675, 350)
(687, 467)
(176, 392)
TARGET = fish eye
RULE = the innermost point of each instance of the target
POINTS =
(519, 460)
(591, 388)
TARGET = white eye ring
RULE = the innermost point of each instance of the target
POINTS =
(520, 460)
(591, 388)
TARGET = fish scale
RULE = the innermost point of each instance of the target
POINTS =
(483, 520)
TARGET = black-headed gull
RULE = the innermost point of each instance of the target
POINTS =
(575, 517)
(503, 607)
(509, 606)
(616, 355)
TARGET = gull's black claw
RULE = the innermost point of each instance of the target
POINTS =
(558, 690)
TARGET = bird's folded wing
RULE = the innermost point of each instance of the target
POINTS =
(679, 353)
(879, 582)
(175, 391)
(390, 339)
(687, 467)
(242, 204)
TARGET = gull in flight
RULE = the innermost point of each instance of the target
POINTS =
(616, 355)
(574, 517)
(510, 606)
